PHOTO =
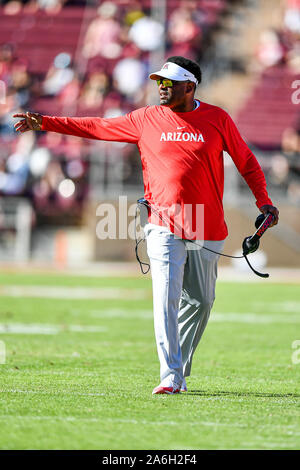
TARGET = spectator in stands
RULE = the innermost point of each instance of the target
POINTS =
(292, 16)
(102, 36)
(13, 176)
(47, 186)
(93, 92)
(183, 32)
(291, 141)
(6, 61)
(133, 13)
(12, 7)
(279, 171)
(21, 81)
(69, 95)
(113, 105)
(6, 109)
(39, 160)
(59, 74)
(129, 77)
(270, 50)
(147, 33)
(291, 151)
(53, 6)
(293, 57)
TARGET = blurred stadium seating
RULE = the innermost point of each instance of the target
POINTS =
(269, 109)
(92, 58)
(64, 58)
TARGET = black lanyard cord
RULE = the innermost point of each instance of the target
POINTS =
(247, 246)
(137, 242)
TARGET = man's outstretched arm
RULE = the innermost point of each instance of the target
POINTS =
(127, 128)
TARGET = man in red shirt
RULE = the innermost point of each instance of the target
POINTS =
(181, 143)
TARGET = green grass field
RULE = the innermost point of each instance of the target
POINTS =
(81, 364)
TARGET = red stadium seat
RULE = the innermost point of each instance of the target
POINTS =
(269, 110)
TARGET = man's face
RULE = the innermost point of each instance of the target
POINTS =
(175, 95)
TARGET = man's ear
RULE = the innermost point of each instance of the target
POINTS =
(191, 87)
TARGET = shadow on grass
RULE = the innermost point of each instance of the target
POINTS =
(222, 393)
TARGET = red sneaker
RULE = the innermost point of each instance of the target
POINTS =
(166, 390)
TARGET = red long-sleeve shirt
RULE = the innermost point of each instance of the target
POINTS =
(182, 160)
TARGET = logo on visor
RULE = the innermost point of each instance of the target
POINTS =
(166, 66)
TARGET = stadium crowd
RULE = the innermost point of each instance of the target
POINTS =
(280, 49)
(99, 71)
(115, 50)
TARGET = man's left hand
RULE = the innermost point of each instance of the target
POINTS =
(271, 210)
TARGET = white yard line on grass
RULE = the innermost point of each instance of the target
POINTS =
(122, 421)
(253, 318)
(285, 306)
(216, 317)
(288, 429)
(63, 292)
(46, 329)
(277, 275)
(54, 392)
(120, 313)
(220, 317)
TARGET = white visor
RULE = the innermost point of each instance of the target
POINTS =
(174, 72)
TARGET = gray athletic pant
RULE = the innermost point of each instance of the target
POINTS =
(183, 282)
